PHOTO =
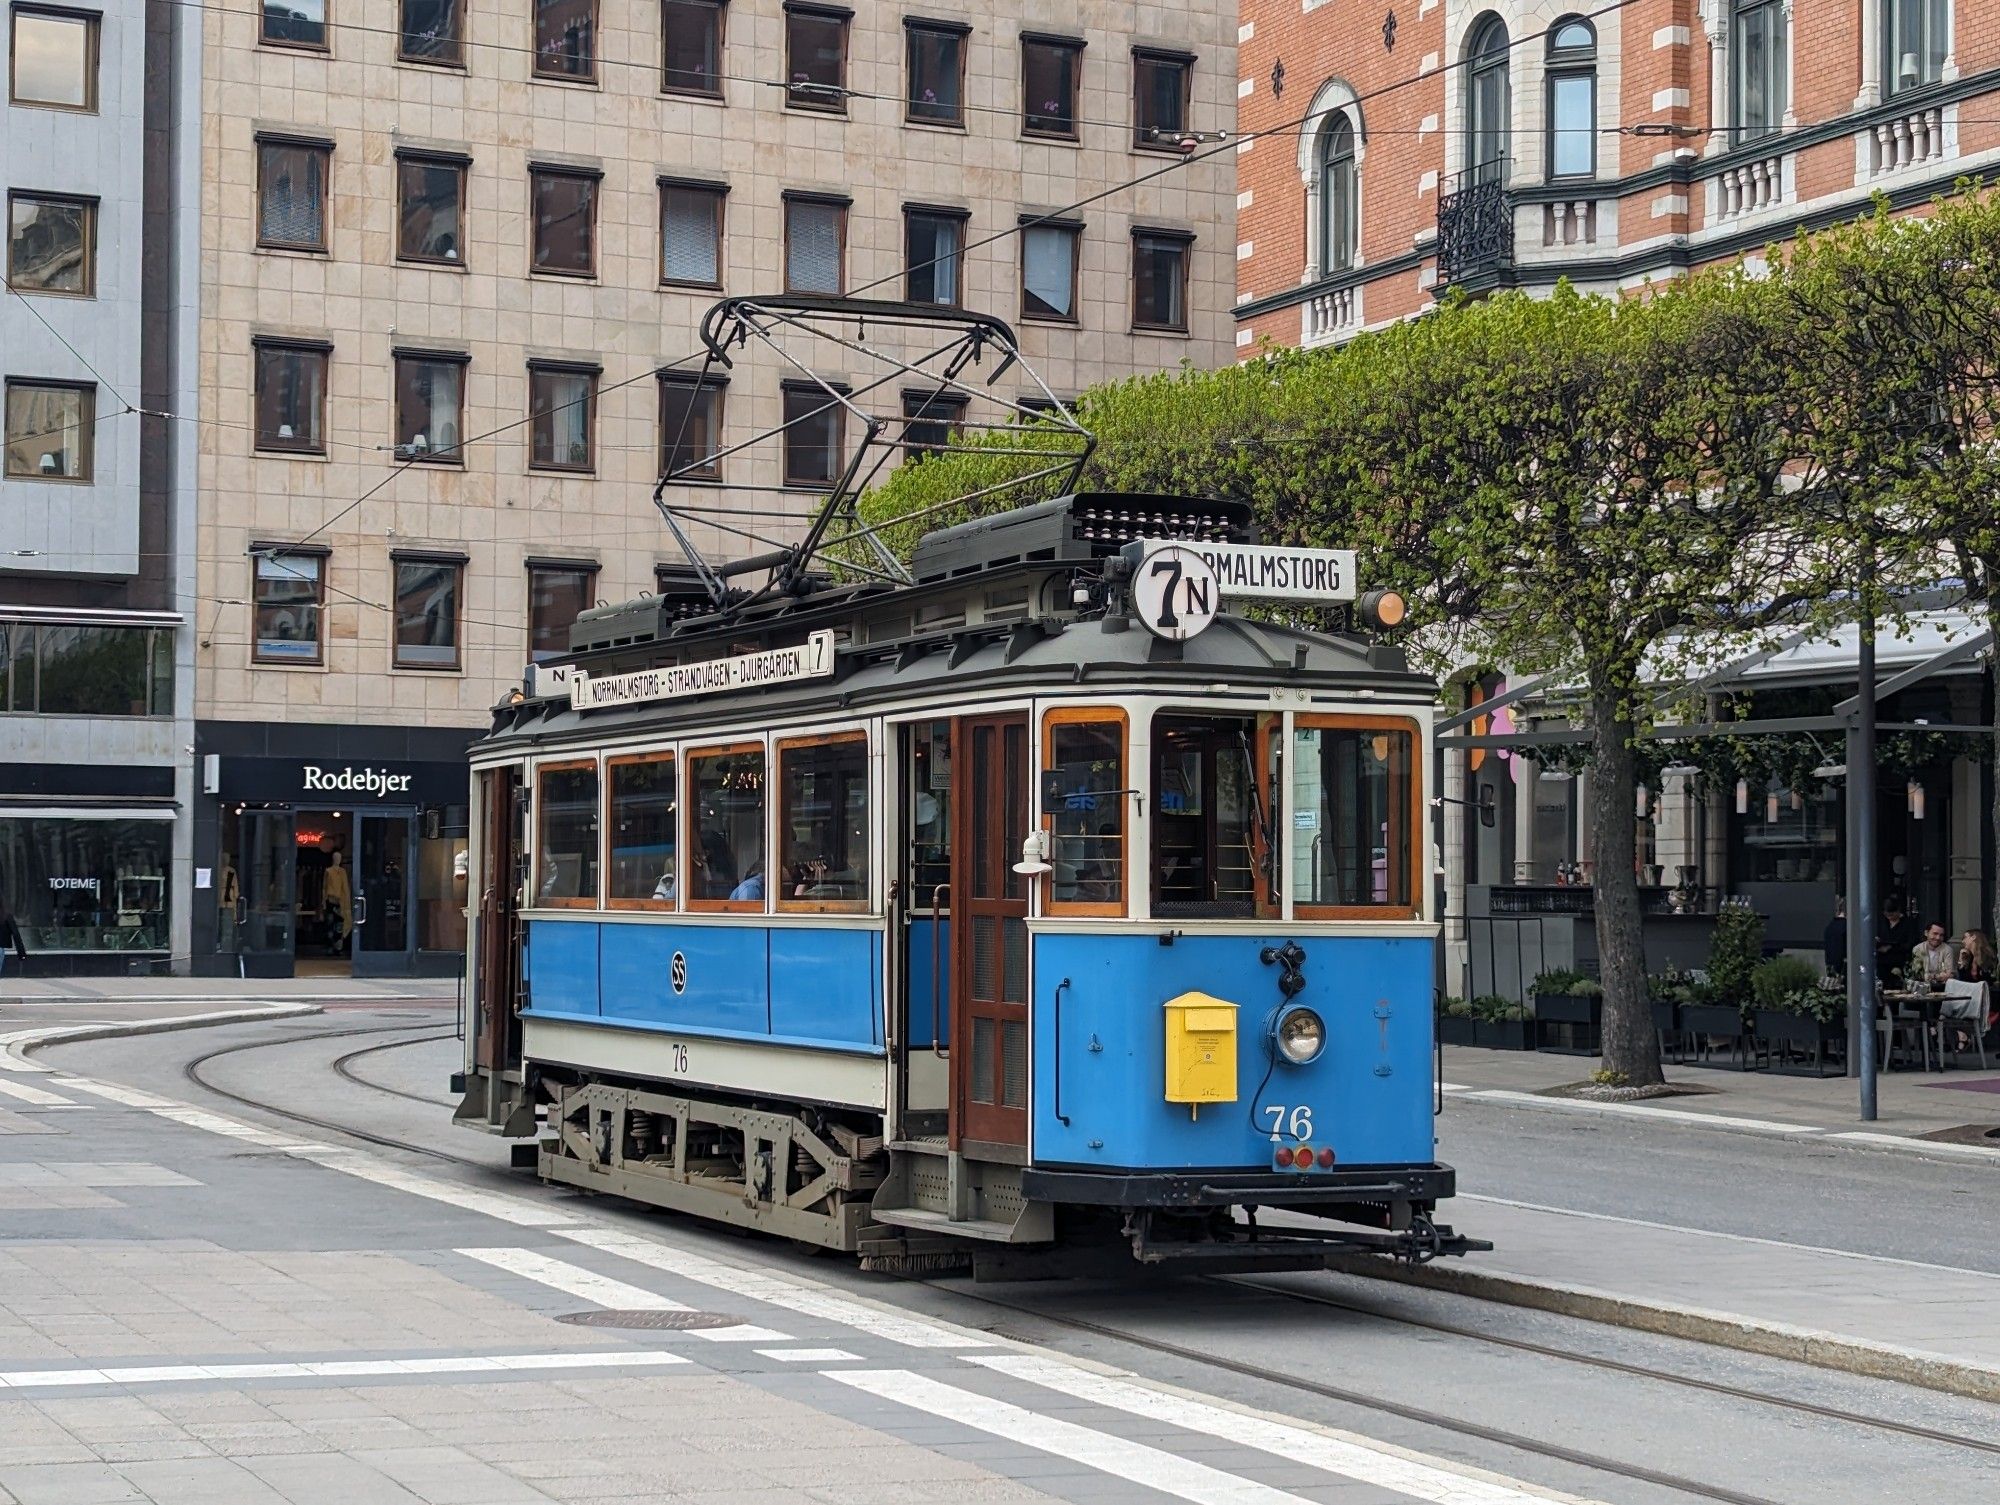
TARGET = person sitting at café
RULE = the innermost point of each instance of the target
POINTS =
(1933, 962)
(1895, 941)
(1978, 963)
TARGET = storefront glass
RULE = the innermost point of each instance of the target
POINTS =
(441, 879)
(79, 884)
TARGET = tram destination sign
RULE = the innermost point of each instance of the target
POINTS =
(1268, 572)
(812, 659)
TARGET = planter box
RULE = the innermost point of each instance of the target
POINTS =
(1510, 1034)
(1666, 1015)
(1717, 1021)
(1777, 1027)
(1577, 1021)
(1456, 1031)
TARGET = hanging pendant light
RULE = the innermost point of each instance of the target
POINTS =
(1798, 800)
(1771, 805)
(1644, 802)
(1742, 796)
(1916, 794)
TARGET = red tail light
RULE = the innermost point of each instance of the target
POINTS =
(1284, 1159)
(1326, 1160)
(1302, 1157)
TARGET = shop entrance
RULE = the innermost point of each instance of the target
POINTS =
(319, 892)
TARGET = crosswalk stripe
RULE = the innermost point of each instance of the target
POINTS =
(1340, 1453)
(602, 1290)
(34, 1097)
(1154, 1468)
(168, 1374)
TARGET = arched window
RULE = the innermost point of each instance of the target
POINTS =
(1572, 72)
(1487, 102)
(1916, 39)
(1757, 61)
(1339, 196)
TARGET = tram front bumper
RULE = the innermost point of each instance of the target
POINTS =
(1304, 1191)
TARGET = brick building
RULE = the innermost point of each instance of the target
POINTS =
(1510, 144)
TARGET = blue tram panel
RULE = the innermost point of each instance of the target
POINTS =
(1367, 1097)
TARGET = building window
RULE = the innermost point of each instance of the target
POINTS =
(54, 59)
(1048, 271)
(1050, 69)
(288, 598)
(291, 396)
(566, 40)
(1572, 74)
(428, 589)
(89, 884)
(1916, 41)
(691, 47)
(51, 244)
(76, 669)
(1757, 67)
(691, 233)
(50, 430)
(814, 437)
(295, 23)
(1339, 196)
(430, 210)
(1160, 279)
(816, 58)
(726, 827)
(815, 244)
(291, 194)
(433, 31)
(645, 821)
(935, 71)
(1488, 101)
(931, 421)
(566, 834)
(690, 428)
(557, 595)
(565, 209)
(933, 247)
(823, 823)
(562, 408)
(1161, 88)
(430, 407)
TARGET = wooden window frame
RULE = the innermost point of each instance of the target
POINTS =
(266, 139)
(690, 822)
(402, 354)
(564, 368)
(284, 44)
(912, 27)
(1072, 228)
(1143, 57)
(845, 207)
(718, 193)
(457, 563)
(721, 10)
(463, 166)
(418, 60)
(1414, 801)
(591, 175)
(589, 568)
(74, 201)
(324, 559)
(628, 760)
(963, 219)
(86, 426)
(323, 351)
(1074, 45)
(776, 779)
(592, 80)
(1093, 715)
(841, 459)
(94, 24)
(836, 103)
(694, 382)
(1185, 240)
(564, 765)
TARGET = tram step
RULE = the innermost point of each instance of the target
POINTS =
(936, 1146)
(937, 1222)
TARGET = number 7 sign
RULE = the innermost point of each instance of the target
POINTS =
(1174, 592)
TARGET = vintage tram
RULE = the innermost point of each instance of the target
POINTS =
(1042, 899)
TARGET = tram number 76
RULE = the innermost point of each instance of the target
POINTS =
(1290, 1123)
(680, 1059)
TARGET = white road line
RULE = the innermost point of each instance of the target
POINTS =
(810, 1301)
(34, 1097)
(1640, 1110)
(809, 1355)
(168, 1374)
(1929, 1146)
(508, 1209)
(1734, 1238)
(1340, 1453)
(574, 1280)
(742, 1332)
(1154, 1468)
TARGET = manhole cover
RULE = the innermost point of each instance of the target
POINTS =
(1965, 1134)
(656, 1321)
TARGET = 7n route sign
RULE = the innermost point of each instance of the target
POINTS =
(1173, 592)
(1177, 587)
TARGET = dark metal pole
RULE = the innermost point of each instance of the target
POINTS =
(1851, 889)
(1861, 808)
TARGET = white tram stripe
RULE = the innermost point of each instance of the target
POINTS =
(1341, 1453)
(34, 1097)
(171, 1374)
(1154, 1468)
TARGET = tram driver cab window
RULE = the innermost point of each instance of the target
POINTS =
(1212, 819)
(1084, 796)
(566, 834)
(1354, 818)
(725, 859)
(823, 822)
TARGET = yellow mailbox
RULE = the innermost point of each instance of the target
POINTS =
(1201, 1050)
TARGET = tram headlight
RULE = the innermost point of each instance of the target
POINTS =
(1299, 1034)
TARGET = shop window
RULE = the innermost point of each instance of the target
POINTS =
(691, 233)
(726, 828)
(430, 407)
(565, 221)
(933, 249)
(80, 885)
(427, 601)
(1354, 789)
(51, 428)
(1050, 69)
(566, 833)
(931, 421)
(1212, 825)
(935, 70)
(83, 669)
(51, 244)
(54, 59)
(292, 194)
(443, 883)
(814, 436)
(1161, 86)
(823, 823)
(288, 604)
(815, 244)
(433, 31)
(566, 40)
(1048, 271)
(562, 409)
(1160, 279)
(690, 428)
(557, 595)
(816, 59)
(645, 815)
(430, 209)
(691, 34)
(291, 396)
(295, 23)
(1084, 755)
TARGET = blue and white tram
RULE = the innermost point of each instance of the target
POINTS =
(987, 910)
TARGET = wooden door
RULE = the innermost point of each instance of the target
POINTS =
(989, 993)
(496, 982)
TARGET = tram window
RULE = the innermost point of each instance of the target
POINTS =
(566, 834)
(726, 839)
(644, 815)
(1088, 750)
(929, 827)
(1211, 816)
(1352, 801)
(823, 823)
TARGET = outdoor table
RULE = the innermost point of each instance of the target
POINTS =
(1926, 1009)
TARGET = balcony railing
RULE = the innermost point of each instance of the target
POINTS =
(1475, 224)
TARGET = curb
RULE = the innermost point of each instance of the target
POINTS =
(14, 1047)
(1776, 1340)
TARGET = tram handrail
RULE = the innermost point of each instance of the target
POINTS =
(937, 969)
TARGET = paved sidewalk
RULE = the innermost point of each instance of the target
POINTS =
(16, 990)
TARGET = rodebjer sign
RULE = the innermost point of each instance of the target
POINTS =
(378, 782)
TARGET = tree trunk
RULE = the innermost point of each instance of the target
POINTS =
(1631, 1046)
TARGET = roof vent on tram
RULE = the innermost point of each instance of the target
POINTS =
(1075, 529)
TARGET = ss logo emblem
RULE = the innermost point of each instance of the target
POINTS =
(680, 972)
